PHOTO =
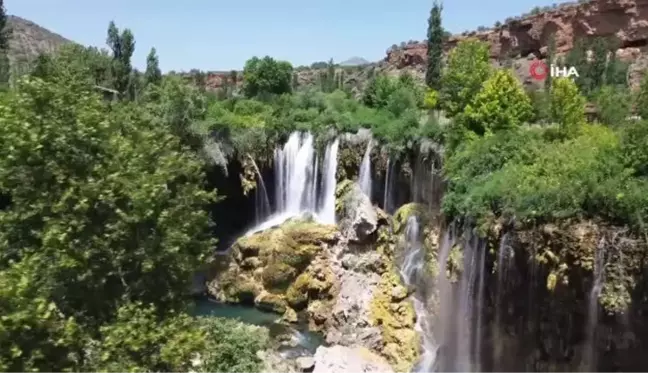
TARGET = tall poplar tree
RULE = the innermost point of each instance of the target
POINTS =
(434, 48)
(153, 74)
(122, 46)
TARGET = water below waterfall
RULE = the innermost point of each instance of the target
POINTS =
(413, 274)
(293, 341)
(300, 187)
(365, 171)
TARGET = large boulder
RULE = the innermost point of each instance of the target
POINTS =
(358, 218)
(349, 359)
(279, 269)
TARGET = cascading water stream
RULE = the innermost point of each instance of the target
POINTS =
(262, 202)
(590, 361)
(413, 274)
(460, 324)
(504, 263)
(327, 212)
(387, 203)
(365, 170)
(296, 182)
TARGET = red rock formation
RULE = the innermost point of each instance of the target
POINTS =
(625, 19)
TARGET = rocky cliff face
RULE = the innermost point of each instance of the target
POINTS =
(524, 39)
(28, 40)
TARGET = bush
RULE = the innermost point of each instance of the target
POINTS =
(519, 175)
(501, 104)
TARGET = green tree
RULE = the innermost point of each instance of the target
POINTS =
(400, 101)
(468, 68)
(613, 104)
(567, 106)
(597, 66)
(378, 90)
(104, 189)
(153, 74)
(122, 46)
(139, 340)
(34, 334)
(181, 106)
(267, 76)
(501, 104)
(577, 58)
(434, 48)
(234, 77)
(641, 100)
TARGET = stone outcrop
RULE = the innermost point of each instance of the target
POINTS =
(526, 37)
(341, 280)
(346, 359)
(359, 219)
(278, 270)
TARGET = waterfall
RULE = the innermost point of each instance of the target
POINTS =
(387, 200)
(261, 200)
(296, 182)
(461, 308)
(327, 213)
(504, 263)
(365, 171)
(590, 361)
(413, 274)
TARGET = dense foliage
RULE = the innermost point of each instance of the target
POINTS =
(103, 220)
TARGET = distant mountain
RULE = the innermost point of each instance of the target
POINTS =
(28, 40)
(355, 61)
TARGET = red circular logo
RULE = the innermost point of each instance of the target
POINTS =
(538, 70)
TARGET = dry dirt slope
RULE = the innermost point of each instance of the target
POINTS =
(28, 40)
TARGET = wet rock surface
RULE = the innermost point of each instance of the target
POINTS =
(358, 219)
(349, 359)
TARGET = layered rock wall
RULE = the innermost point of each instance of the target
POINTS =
(526, 38)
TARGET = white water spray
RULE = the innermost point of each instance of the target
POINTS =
(296, 181)
(327, 213)
(413, 272)
(365, 171)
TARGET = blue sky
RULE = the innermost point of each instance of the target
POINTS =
(222, 35)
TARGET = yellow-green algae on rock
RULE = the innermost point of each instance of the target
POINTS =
(569, 249)
(273, 269)
(394, 314)
(392, 311)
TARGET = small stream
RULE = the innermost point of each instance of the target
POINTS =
(292, 341)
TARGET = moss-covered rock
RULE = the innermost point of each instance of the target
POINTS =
(271, 302)
(278, 268)
(408, 210)
(295, 243)
(349, 160)
(313, 284)
(342, 189)
(395, 317)
(570, 250)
